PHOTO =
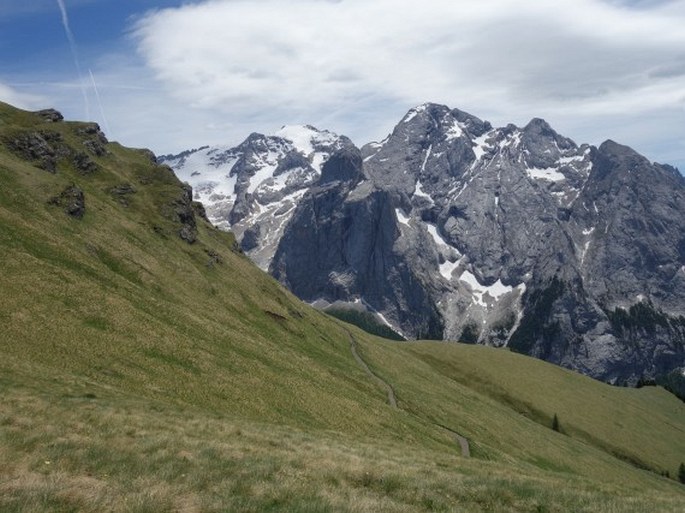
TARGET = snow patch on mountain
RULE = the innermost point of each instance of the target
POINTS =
(550, 173)
(455, 131)
(479, 291)
(309, 141)
(481, 146)
(447, 268)
(437, 238)
(401, 217)
(419, 192)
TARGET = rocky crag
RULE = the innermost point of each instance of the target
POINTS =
(453, 229)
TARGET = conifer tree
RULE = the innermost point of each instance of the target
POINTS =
(555, 423)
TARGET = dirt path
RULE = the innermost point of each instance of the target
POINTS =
(463, 442)
(392, 400)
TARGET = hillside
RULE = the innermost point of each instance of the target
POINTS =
(147, 365)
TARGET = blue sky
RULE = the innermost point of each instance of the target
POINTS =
(173, 74)
(32, 34)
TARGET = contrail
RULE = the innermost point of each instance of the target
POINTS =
(97, 97)
(74, 53)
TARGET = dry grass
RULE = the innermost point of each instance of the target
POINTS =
(111, 453)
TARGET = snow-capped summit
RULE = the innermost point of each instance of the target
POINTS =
(253, 188)
(312, 143)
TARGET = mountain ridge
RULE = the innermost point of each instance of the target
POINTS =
(473, 221)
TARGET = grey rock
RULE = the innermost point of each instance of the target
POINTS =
(290, 161)
(214, 258)
(343, 166)
(50, 115)
(93, 129)
(341, 245)
(43, 148)
(188, 233)
(95, 147)
(451, 228)
(123, 192)
(251, 238)
(181, 210)
(93, 139)
(83, 164)
(71, 200)
(200, 210)
(123, 189)
(180, 156)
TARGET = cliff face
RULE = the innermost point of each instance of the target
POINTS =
(453, 229)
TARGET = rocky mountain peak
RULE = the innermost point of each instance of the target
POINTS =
(451, 228)
(618, 163)
(540, 127)
(431, 145)
(253, 188)
(610, 147)
(345, 165)
(430, 123)
(473, 125)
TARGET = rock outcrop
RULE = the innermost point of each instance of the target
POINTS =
(51, 115)
(71, 200)
(43, 148)
(185, 213)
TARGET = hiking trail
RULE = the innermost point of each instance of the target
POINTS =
(392, 399)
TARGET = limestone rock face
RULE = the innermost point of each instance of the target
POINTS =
(453, 229)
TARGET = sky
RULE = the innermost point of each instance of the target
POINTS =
(177, 74)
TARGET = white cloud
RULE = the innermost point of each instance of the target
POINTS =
(318, 60)
(214, 71)
(20, 99)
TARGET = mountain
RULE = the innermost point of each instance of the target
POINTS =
(147, 365)
(453, 229)
(253, 189)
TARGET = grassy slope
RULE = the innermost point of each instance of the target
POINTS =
(131, 365)
(474, 390)
(619, 420)
(115, 301)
